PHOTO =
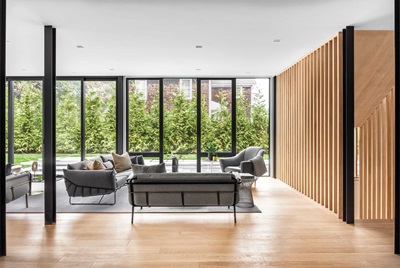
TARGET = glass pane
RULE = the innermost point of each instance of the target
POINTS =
(100, 117)
(252, 114)
(180, 123)
(27, 122)
(68, 121)
(144, 109)
(216, 120)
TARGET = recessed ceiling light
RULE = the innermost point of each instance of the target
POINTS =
(248, 73)
(199, 46)
(198, 69)
(8, 41)
(112, 69)
(277, 40)
(23, 70)
(80, 46)
(74, 72)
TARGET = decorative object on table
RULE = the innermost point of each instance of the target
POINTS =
(211, 150)
(34, 168)
(175, 163)
(250, 160)
(8, 169)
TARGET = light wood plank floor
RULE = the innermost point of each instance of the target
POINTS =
(292, 231)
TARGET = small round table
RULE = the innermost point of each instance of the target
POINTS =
(245, 190)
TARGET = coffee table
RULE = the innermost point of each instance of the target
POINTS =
(245, 190)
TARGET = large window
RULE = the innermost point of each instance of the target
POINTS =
(27, 121)
(216, 117)
(68, 118)
(180, 122)
(100, 117)
(144, 111)
(252, 118)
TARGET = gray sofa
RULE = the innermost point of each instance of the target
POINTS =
(250, 160)
(18, 185)
(81, 182)
(183, 189)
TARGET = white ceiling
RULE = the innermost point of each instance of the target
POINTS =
(151, 38)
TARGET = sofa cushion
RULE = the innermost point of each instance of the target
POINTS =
(139, 169)
(122, 177)
(137, 159)
(95, 165)
(78, 166)
(121, 162)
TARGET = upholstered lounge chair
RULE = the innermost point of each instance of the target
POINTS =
(250, 160)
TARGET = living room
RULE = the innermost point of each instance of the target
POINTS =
(177, 83)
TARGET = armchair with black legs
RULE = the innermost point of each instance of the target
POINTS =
(250, 160)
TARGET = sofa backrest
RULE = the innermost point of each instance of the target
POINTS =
(184, 189)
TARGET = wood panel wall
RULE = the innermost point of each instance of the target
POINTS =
(373, 71)
(377, 162)
(309, 125)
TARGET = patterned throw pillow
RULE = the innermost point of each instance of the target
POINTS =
(122, 162)
(94, 165)
(108, 165)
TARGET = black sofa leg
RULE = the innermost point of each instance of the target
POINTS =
(234, 213)
(133, 211)
(26, 200)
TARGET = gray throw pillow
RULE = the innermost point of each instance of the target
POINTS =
(138, 169)
(78, 166)
(137, 159)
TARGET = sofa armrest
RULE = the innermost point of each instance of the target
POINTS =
(103, 179)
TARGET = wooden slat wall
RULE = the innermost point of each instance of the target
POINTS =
(309, 125)
(377, 162)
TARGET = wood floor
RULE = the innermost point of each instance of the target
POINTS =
(292, 231)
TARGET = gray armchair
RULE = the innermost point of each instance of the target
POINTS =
(250, 160)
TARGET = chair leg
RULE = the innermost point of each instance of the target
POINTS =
(133, 211)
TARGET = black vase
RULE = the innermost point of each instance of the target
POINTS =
(210, 156)
(175, 164)
(8, 169)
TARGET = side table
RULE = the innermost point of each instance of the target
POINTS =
(245, 190)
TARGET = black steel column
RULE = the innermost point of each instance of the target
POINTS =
(10, 133)
(83, 135)
(198, 100)
(397, 129)
(348, 125)
(121, 113)
(3, 243)
(161, 126)
(233, 149)
(272, 126)
(49, 124)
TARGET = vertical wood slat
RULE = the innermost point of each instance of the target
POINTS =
(377, 162)
(309, 107)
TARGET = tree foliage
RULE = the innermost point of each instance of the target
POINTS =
(180, 120)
